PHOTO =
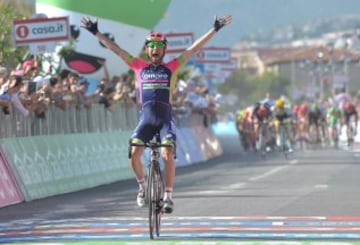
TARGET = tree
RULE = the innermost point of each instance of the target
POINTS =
(9, 11)
(251, 88)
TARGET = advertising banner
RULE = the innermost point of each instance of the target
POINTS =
(178, 42)
(9, 193)
(40, 30)
(213, 55)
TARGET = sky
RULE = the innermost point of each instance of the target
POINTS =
(249, 15)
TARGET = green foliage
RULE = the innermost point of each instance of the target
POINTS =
(10, 11)
(251, 88)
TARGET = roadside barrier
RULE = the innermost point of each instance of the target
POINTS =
(40, 166)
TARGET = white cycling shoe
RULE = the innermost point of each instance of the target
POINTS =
(140, 199)
(168, 206)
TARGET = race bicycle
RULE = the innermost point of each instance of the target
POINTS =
(155, 184)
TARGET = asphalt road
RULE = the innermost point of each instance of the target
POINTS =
(313, 195)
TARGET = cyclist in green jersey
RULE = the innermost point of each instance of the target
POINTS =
(333, 117)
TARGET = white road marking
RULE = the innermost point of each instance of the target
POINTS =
(321, 186)
(294, 161)
(268, 173)
(235, 186)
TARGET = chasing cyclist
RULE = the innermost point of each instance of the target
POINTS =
(351, 126)
(155, 84)
(283, 116)
(333, 118)
(261, 116)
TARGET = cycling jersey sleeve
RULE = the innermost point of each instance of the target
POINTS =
(174, 65)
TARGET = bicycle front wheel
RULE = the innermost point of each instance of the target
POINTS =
(159, 198)
(154, 194)
(151, 202)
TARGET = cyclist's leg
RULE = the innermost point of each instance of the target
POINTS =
(137, 169)
(324, 130)
(242, 135)
(168, 137)
(347, 126)
(289, 136)
(333, 130)
(271, 134)
(250, 134)
(299, 128)
(267, 135)
(317, 128)
(256, 128)
(277, 131)
(294, 127)
(169, 168)
(142, 134)
(245, 140)
(352, 126)
(312, 127)
(135, 163)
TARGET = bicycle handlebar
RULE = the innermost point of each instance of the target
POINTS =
(151, 145)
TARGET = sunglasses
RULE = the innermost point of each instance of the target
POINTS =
(156, 44)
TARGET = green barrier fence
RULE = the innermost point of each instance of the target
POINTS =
(51, 165)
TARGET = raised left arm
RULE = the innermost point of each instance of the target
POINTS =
(200, 42)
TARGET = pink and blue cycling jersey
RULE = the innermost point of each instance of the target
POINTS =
(155, 85)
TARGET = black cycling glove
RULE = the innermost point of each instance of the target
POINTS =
(91, 26)
(219, 23)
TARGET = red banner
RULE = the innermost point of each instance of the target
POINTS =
(9, 192)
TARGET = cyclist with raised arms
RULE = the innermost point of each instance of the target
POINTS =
(155, 84)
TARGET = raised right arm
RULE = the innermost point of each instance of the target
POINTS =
(91, 26)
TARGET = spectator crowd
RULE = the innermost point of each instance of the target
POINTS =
(30, 90)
